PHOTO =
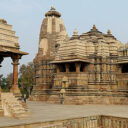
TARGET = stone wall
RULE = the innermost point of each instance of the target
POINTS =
(88, 99)
(84, 122)
(79, 79)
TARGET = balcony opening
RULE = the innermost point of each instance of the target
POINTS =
(62, 68)
(125, 68)
(72, 67)
(82, 67)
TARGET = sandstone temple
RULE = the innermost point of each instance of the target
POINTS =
(90, 68)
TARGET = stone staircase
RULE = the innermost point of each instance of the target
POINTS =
(13, 107)
(1, 110)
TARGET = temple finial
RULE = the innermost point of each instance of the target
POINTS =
(75, 32)
(94, 26)
(109, 32)
(53, 8)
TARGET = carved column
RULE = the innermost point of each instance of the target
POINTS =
(57, 68)
(77, 67)
(15, 71)
(15, 64)
(67, 68)
(85, 68)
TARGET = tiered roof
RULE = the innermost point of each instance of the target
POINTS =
(8, 40)
(80, 47)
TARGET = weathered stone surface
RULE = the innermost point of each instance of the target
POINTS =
(12, 107)
(51, 114)
(100, 121)
(94, 63)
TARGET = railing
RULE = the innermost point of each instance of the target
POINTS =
(122, 76)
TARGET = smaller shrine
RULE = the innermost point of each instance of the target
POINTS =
(9, 47)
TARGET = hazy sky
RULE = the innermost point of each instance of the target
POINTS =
(26, 17)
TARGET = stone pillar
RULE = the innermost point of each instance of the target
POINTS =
(77, 67)
(15, 88)
(67, 68)
(57, 69)
(85, 67)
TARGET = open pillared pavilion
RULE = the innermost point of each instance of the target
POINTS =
(9, 47)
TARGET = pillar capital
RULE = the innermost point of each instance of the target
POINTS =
(15, 58)
(15, 61)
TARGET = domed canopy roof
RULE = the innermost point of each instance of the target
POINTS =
(53, 12)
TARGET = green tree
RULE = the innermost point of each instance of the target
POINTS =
(10, 79)
(1, 76)
(5, 84)
(26, 78)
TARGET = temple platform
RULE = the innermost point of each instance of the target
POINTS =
(42, 112)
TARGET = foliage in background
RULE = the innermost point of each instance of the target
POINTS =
(25, 81)
(5, 83)
(26, 78)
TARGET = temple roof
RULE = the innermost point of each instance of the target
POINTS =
(5, 51)
(7, 35)
(95, 32)
(53, 12)
(81, 47)
(8, 40)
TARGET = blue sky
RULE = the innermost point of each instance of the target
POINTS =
(26, 17)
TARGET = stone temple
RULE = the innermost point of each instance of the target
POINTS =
(91, 68)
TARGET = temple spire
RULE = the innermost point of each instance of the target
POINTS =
(53, 12)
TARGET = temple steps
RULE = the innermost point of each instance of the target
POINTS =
(86, 92)
(13, 107)
(1, 111)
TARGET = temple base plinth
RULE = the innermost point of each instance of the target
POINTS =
(15, 90)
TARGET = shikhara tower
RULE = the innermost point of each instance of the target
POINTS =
(52, 29)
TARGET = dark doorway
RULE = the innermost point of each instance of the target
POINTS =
(125, 68)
